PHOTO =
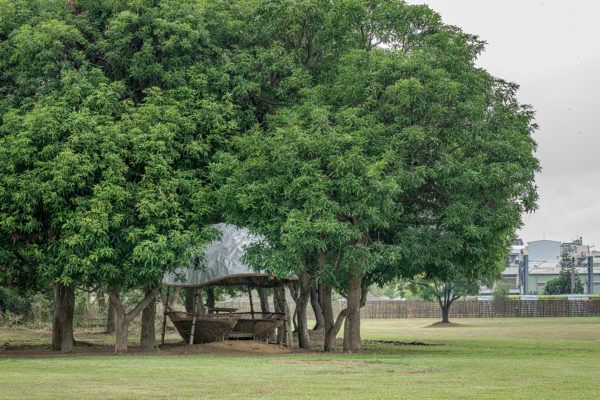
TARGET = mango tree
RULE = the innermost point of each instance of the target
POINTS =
(396, 132)
(109, 114)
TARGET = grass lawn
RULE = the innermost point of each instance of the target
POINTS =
(529, 358)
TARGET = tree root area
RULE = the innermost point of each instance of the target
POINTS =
(446, 325)
(397, 343)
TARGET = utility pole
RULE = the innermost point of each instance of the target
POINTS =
(590, 274)
(572, 275)
(525, 274)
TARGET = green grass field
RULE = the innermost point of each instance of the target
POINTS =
(531, 358)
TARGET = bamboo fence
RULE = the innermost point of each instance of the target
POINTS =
(462, 308)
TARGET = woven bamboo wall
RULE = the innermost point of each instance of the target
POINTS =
(461, 308)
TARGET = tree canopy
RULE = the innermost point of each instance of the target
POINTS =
(359, 137)
(109, 116)
(397, 157)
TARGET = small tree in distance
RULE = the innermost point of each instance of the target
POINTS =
(501, 291)
(445, 292)
(562, 284)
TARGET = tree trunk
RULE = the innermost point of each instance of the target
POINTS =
(278, 303)
(263, 294)
(301, 305)
(316, 306)
(189, 299)
(332, 327)
(294, 293)
(67, 338)
(295, 320)
(122, 326)
(290, 336)
(364, 290)
(111, 319)
(58, 318)
(124, 318)
(201, 306)
(352, 342)
(62, 324)
(101, 300)
(148, 333)
(445, 304)
(210, 297)
(445, 312)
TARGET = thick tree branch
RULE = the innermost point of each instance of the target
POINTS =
(274, 103)
(138, 309)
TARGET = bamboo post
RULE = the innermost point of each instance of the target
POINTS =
(285, 322)
(164, 322)
(250, 298)
(194, 310)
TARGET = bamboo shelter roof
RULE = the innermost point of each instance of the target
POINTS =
(220, 264)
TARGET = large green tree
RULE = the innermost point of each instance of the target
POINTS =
(398, 156)
(363, 132)
(109, 115)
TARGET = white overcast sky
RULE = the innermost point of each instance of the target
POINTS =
(551, 48)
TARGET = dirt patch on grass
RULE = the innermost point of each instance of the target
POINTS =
(35, 344)
(241, 348)
(423, 371)
(329, 362)
(44, 351)
(229, 347)
(397, 343)
(446, 325)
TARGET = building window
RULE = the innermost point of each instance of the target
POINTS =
(541, 284)
(511, 280)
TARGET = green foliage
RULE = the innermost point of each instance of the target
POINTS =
(444, 292)
(10, 301)
(552, 298)
(392, 161)
(110, 113)
(501, 291)
(392, 291)
(562, 284)
(356, 136)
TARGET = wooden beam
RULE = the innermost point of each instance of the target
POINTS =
(164, 322)
(195, 311)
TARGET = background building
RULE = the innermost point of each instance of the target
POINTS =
(544, 265)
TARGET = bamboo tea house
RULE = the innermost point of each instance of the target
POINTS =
(220, 264)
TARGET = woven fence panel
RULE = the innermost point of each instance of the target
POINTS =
(459, 309)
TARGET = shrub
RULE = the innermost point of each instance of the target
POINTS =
(41, 310)
(501, 291)
(9, 301)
